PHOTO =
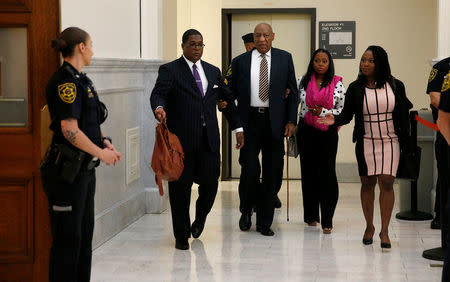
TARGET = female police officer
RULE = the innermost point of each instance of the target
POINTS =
(78, 145)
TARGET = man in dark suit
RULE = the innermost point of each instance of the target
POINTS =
(261, 80)
(185, 97)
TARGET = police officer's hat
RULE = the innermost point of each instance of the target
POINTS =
(248, 38)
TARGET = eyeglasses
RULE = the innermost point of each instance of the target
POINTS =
(193, 45)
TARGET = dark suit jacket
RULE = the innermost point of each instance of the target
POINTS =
(176, 91)
(282, 77)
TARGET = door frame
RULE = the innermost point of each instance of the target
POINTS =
(226, 59)
(21, 148)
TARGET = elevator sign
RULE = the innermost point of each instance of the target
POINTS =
(338, 38)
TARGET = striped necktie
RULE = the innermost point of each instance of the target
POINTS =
(263, 79)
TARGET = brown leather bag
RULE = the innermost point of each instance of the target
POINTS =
(167, 160)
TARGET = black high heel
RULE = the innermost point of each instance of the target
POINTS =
(368, 241)
(386, 246)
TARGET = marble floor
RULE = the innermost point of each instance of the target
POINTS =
(145, 251)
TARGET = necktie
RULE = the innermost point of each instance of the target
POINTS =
(263, 79)
(198, 79)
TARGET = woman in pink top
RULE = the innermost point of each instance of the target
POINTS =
(321, 92)
(380, 106)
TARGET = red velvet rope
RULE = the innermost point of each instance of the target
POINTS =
(427, 123)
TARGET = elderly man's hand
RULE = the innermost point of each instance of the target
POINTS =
(290, 129)
(239, 140)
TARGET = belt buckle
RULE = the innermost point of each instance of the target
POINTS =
(261, 110)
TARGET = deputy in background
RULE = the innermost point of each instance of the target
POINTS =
(78, 146)
(444, 127)
(249, 45)
(435, 81)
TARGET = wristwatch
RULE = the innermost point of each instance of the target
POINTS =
(107, 138)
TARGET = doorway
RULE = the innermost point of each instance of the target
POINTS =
(26, 63)
(294, 32)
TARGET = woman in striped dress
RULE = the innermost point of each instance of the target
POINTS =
(380, 106)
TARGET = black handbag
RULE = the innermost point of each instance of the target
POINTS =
(409, 164)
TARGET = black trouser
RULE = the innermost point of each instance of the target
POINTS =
(318, 151)
(71, 209)
(444, 170)
(258, 138)
(440, 145)
(202, 167)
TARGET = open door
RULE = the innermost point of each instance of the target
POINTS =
(26, 63)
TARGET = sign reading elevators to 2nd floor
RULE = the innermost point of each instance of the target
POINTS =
(338, 38)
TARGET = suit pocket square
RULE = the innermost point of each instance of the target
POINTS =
(215, 86)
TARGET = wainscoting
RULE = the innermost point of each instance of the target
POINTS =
(128, 190)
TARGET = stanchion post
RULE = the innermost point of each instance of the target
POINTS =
(414, 213)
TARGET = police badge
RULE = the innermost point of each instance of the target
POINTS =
(432, 74)
(67, 92)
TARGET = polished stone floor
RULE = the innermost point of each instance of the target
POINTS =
(145, 250)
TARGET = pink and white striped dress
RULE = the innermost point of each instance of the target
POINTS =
(381, 147)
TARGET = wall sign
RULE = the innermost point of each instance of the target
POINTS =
(338, 38)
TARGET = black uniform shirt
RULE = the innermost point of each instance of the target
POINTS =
(436, 78)
(444, 104)
(71, 94)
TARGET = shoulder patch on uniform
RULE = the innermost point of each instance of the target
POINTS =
(67, 92)
(446, 84)
(433, 73)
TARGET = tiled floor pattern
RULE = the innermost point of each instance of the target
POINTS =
(145, 250)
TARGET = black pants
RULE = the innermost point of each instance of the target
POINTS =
(258, 138)
(440, 145)
(71, 209)
(444, 170)
(202, 167)
(318, 151)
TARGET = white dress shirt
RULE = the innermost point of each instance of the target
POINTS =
(201, 72)
(255, 101)
(204, 80)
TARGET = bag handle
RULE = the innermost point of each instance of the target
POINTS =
(166, 138)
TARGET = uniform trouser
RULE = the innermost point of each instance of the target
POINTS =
(258, 138)
(439, 146)
(444, 170)
(202, 167)
(318, 151)
(71, 209)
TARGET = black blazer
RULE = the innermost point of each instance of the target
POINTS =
(176, 91)
(282, 76)
(354, 101)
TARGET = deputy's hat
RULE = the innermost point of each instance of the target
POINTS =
(248, 38)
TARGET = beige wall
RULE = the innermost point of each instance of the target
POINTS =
(407, 29)
(114, 26)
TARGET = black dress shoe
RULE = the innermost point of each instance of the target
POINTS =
(277, 203)
(266, 231)
(181, 244)
(197, 228)
(435, 223)
(245, 222)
